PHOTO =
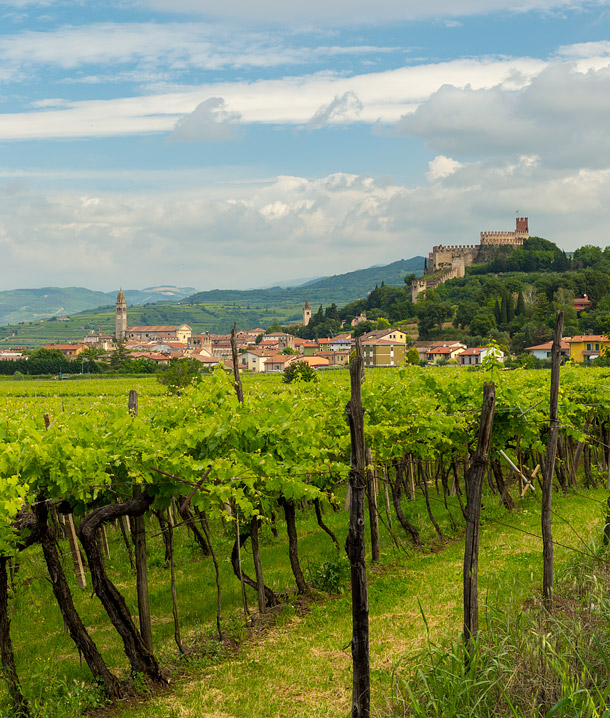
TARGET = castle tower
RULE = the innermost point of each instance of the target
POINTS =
(120, 317)
(306, 313)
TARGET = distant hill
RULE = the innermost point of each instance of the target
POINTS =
(213, 311)
(340, 288)
(27, 305)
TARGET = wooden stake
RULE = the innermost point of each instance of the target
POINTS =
(355, 545)
(549, 467)
(74, 550)
(371, 484)
(239, 390)
(474, 488)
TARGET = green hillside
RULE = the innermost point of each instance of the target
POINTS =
(340, 288)
(214, 311)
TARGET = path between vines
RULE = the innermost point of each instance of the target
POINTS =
(302, 666)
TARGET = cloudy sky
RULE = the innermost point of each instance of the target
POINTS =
(239, 143)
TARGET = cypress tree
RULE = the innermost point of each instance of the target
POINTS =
(510, 307)
(520, 310)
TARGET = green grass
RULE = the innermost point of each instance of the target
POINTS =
(303, 666)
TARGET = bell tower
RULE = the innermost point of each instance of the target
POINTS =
(120, 317)
(306, 313)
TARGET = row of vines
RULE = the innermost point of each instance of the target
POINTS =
(205, 459)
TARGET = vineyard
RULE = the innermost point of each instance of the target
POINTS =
(165, 524)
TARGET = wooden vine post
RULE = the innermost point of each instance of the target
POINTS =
(474, 488)
(138, 533)
(239, 390)
(371, 480)
(549, 467)
(355, 544)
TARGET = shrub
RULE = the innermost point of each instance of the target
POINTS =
(299, 371)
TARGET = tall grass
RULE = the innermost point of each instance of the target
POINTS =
(527, 663)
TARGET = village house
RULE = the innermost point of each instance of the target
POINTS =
(341, 342)
(316, 361)
(383, 353)
(444, 352)
(335, 358)
(11, 356)
(586, 348)
(254, 360)
(70, 351)
(582, 304)
(279, 362)
(181, 333)
(392, 335)
(475, 355)
(310, 348)
(543, 351)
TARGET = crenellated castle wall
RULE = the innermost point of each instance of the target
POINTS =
(452, 260)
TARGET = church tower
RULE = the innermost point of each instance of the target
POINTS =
(121, 317)
(306, 313)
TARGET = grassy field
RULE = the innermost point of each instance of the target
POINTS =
(302, 666)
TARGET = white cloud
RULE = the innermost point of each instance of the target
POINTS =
(352, 12)
(384, 96)
(561, 116)
(174, 47)
(346, 108)
(217, 234)
(441, 167)
(210, 121)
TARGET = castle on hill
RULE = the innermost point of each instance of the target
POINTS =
(450, 261)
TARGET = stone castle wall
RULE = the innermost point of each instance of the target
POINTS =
(452, 260)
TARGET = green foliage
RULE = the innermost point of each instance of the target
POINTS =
(299, 371)
(331, 574)
(412, 357)
(179, 374)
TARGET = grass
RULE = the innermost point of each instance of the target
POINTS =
(302, 667)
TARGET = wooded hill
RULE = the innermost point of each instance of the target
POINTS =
(511, 300)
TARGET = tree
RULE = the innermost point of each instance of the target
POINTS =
(362, 328)
(119, 356)
(299, 371)
(483, 323)
(412, 357)
(180, 373)
(431, 314)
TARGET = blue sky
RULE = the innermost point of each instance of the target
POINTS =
(237, 144)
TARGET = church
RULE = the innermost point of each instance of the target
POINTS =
(178, 333)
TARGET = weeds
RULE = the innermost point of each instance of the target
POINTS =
(525, 665)
(331, 574)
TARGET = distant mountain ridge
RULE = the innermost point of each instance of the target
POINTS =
(26, 305)
(340, 288)
(214, 310)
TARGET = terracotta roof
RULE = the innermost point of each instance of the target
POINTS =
(62, 346)
(473, 351)
(547, 346)
(587, 338)
(383, 342)
(156, 328)
(316, 361)
(443, 350)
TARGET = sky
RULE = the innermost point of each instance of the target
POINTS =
(236, 144)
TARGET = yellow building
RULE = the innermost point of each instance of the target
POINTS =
(587, 347)
(383, 352)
